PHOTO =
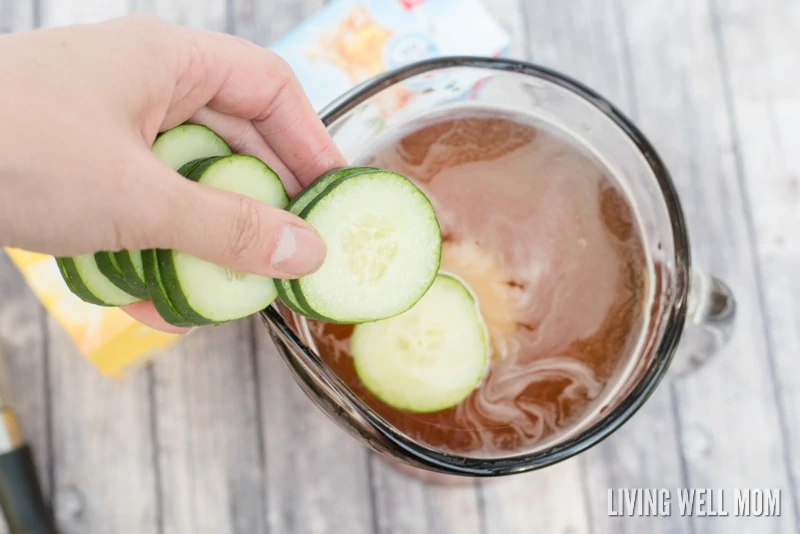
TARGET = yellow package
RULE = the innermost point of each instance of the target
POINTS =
(108, 337)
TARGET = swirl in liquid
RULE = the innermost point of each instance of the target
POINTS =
(553, 252)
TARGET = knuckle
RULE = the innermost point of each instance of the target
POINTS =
(280, 67)
(244, 232)
(193, 66)
(195, 60)
(121, 183)
(141, 204)
(283, 79)
(118, 238)
(318, 162)
(240, 137)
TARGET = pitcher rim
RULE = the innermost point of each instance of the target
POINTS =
(423, 456)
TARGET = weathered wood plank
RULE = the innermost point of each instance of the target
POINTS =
(402, 504)
(677, 77)
(510, 16)
(406, 504)
(265, 22)
(582, 39)
(551, 500)
(762, 67)
(208, 434)
(203, 14)
(23, 344)
(23, 348)
(507, 504)
(317, 476)
(17, 15)
(103, 453)
(206, 410)
(585, 39)
(64, 12)
(645, 453)
(103, 457)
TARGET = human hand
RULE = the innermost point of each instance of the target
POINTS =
(81, 107)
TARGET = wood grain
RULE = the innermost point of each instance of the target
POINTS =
(758, 45)
(103, 448)
(508, 504)
(200, 14)
(317, 476)
(551, 500)
(208, 434)
(730, 424)
(210, 458)
(511, 16)
(24, 352)
(409, 504)
(266, 22)
(23, 347)
(16, 15)
(65, 12)
(200, 489)
(586, 39)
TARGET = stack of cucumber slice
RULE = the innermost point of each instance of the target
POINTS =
(383, 246)
(188, 291)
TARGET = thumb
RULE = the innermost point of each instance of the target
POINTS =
(230, 230)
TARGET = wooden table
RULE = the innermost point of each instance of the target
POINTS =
(216, 438)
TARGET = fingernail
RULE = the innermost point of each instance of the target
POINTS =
(299, 251)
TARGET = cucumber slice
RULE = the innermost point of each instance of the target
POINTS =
(157, 292)
(107, 263)
(286, 295)
(130, 265)
(429, 358)
(384, 249)
(188, 142)
(186, 169)
(319, 185)
(61, 268)
(296, 206)
(85, 280)
(205, 293)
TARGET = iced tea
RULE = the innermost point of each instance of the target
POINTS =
(545, 238)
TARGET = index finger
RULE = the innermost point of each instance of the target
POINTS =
(244, 80)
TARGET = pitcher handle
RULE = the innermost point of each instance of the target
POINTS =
(711, 314)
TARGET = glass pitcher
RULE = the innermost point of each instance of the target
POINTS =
(690, 306)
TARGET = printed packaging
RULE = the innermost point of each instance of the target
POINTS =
(349, 41)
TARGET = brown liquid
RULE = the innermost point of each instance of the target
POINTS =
(551, 248)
